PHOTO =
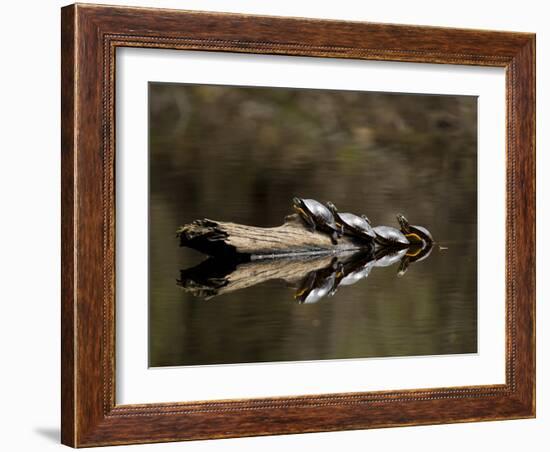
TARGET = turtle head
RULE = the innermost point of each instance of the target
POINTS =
(364, 217)
(296, 202)
(331, 207)
(403, 223)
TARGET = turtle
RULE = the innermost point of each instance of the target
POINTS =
(352, 224)
(390, 236)
(317, 216)
(413, 233)
(415, 253)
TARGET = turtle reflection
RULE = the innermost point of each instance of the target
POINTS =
(312, 279)
(318, 284)
(414, 254)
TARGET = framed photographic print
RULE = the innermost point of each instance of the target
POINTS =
(280, 225)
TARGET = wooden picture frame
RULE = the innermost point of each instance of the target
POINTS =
(90, 36)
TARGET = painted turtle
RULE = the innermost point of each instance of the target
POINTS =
(317, 216)
(390, 236)
(414, 233)
(352, 224)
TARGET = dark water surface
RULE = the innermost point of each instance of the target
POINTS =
(241, 154)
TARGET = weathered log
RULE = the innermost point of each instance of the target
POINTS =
(217, 238)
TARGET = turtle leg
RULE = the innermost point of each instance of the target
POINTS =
(334, 238)
(340, 229)
(310, 222)
(312, 225)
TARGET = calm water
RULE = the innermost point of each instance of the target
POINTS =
(241, 154)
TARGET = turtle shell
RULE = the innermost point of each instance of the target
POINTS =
(319, 211)
(356, 224)
(390, 235)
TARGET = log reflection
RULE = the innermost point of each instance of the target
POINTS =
(312, 278)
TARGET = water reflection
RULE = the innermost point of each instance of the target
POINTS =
(312, 278)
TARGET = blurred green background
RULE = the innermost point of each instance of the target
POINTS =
(241, 153)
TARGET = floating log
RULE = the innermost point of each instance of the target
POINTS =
(293, 238)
